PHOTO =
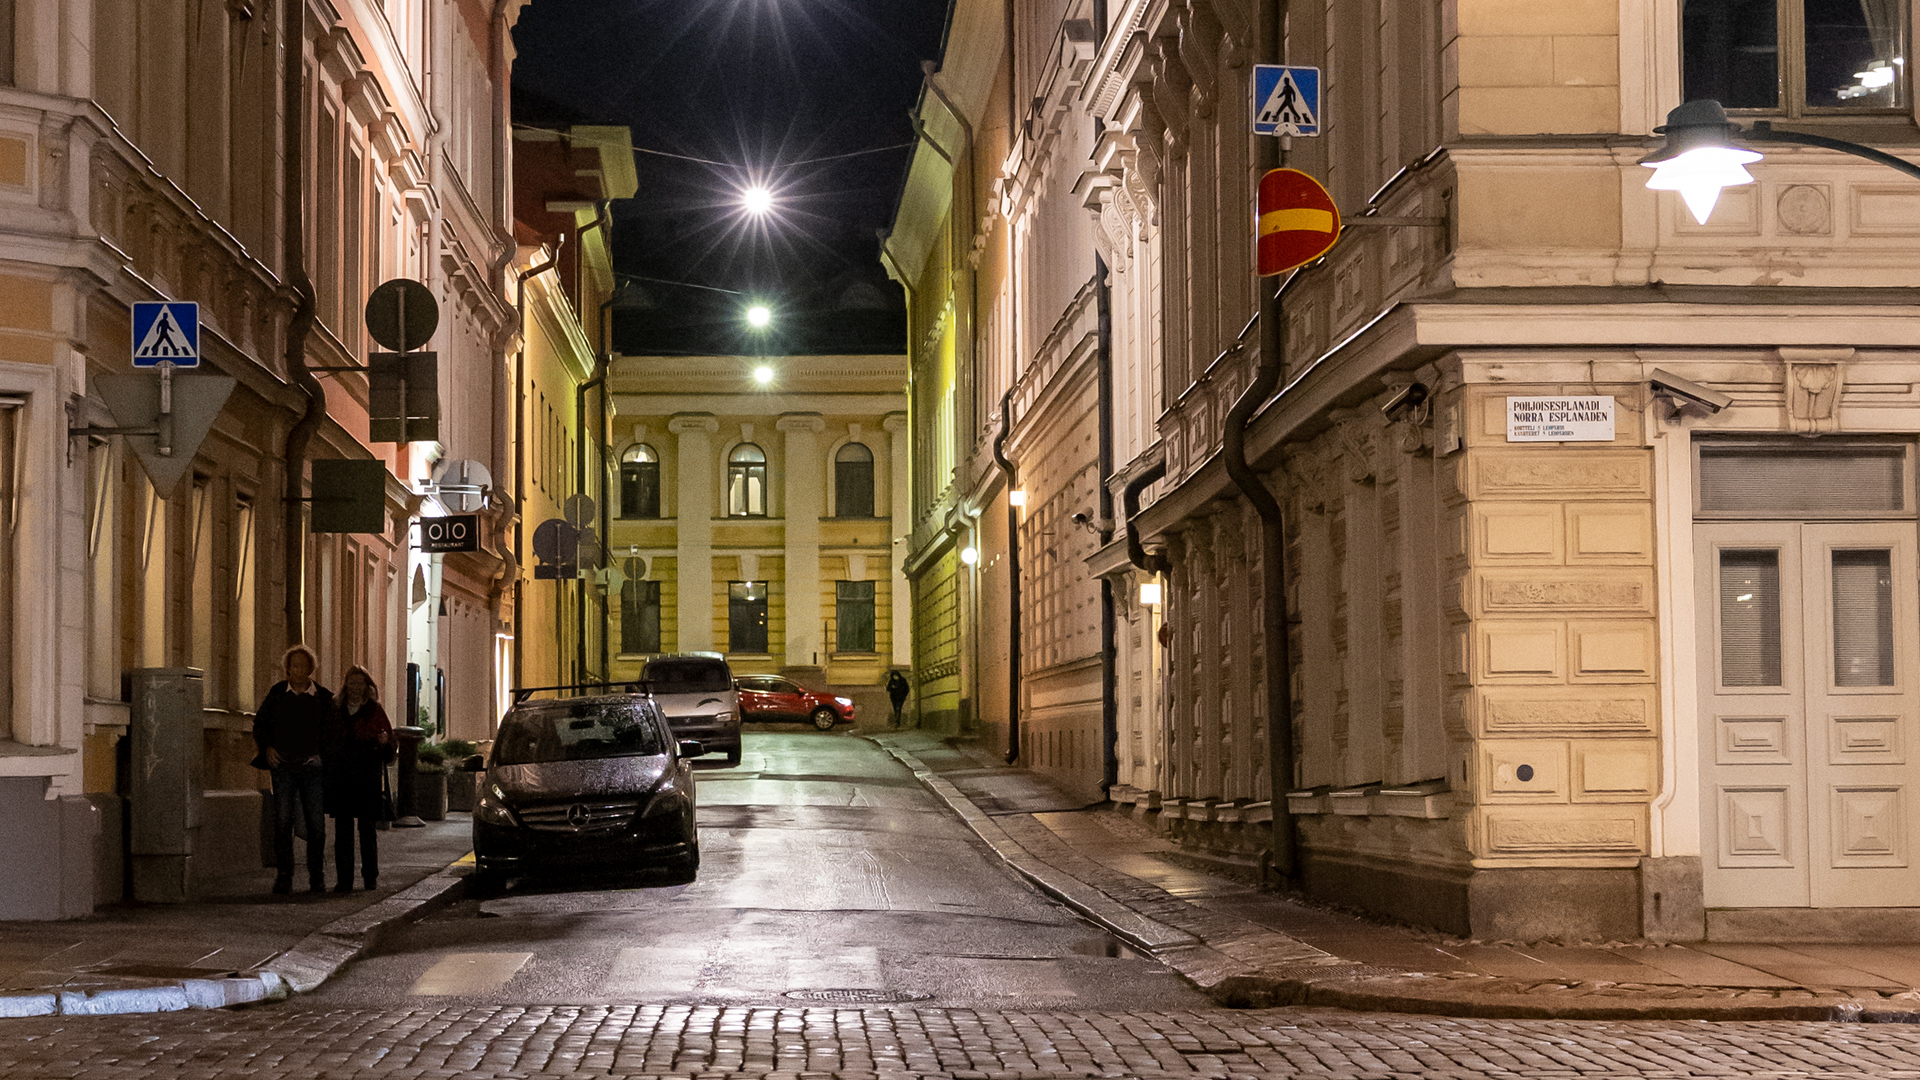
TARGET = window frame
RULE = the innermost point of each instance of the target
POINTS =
(841, 602)
(741, 475)
(736, 603)
(631, 470)
(840, 480)
(1790, 71)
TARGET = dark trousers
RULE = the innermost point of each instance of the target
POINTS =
(343, 828)
(897, 704)
(302, 785)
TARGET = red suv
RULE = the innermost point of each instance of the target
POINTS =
(769, 697)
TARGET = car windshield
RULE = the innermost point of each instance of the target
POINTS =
(689, 676)
(577, 731)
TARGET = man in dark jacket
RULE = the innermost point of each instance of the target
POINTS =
(287, 731)
(897, 690)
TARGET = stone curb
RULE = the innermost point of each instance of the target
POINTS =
(299, 970)
(1235, 984)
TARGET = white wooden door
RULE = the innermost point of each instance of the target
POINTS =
(1810, 667)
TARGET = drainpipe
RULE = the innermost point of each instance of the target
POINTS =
(1109, 622)
(1013, 582)
(293, 531)
(1153, 562)
(520, 457)
(603, 221)
(1273, 537)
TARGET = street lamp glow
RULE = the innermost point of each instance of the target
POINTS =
(758, 316)
(763, 375)
(1699, 159)
(1017, 497)
(757, 200)
(969, 555)
(1150, 593)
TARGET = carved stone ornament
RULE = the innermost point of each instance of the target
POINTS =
(1815, 378)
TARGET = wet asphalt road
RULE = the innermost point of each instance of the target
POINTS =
(825, 866)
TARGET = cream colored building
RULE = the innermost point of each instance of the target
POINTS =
(1652, 679)
(760, 519)
(144, 156)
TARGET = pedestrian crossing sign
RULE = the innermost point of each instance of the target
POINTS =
(166, 332)
(1286, 100)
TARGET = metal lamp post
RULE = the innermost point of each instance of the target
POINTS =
(1702, 156)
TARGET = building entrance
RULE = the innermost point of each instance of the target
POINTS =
(1808, 662)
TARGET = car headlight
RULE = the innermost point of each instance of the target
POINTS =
(843, 701)
(492, 809)
(667, 799)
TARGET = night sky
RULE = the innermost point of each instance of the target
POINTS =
(759, 89)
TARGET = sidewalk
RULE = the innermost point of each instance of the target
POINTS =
(239, 944)
(1246, 947)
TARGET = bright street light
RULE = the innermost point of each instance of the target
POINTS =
(763, 375)
(969, 555)
(758, 316)
(1700, 157)
(757, 200)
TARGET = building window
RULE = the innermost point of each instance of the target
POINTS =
(640, 483)
(747, 481)
(853, 481)
(639, 611)
(853, 617)
(747, 616)
(1794, 56)
(6, 42)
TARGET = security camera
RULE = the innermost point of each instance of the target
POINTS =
(1405, 400)
(1079, 517)
(1683, 394)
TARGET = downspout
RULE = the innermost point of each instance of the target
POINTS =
(1109, 621)
(293, 530)
(602, 221)
(1273, 537)
(520, 458)
(1013, 581)
(1153, 562)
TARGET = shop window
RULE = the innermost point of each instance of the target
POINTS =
(639, 612)
(853, 617)
(1796, 56)
(747, 481)
(640, 482)
(747, 617)
(853, 481)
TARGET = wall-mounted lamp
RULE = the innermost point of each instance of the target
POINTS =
(1150, 593)
(969, 555)
(1017, 497)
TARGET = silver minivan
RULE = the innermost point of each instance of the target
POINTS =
(696, 692)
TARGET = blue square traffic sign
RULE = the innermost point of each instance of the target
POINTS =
(1286, 100)
(166, 331)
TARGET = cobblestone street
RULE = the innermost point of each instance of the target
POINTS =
(740, 1041)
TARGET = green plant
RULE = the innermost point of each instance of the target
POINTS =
(430, 759)
(458, 749)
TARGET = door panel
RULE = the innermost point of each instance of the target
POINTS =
(1808, 661)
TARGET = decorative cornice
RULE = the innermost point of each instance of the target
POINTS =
(808, 422)
(687, 423)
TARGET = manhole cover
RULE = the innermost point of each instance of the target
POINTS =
(857, 996)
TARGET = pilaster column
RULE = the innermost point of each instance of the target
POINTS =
(694, 552)
(805, 490)
(900, 507)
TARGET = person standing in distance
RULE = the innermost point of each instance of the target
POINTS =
(897, 690)
(356, 743)
(287, 732)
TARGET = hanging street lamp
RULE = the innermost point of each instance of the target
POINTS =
(1701, 156)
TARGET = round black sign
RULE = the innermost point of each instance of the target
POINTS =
(402, 314)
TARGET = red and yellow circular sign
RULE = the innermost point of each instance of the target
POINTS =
(1298, 222)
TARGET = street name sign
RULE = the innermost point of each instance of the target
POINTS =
(1560, 419)
(1286, 100)
(166, 332)
(1298, 221)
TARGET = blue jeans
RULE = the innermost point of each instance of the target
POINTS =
(301, 783)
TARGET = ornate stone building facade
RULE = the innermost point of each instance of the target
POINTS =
(1641, 680)
(143, 156)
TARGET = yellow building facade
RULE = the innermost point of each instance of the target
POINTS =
(758, 519)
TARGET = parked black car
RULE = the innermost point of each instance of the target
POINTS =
(585, 782)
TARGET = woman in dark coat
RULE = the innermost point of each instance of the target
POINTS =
(356, 742)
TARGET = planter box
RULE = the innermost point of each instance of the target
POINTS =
(430, 796)
(462, 790)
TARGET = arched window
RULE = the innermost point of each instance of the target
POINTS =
(853, 481)
(747, 481)
(640, 482)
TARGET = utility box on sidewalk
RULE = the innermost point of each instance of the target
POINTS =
(166, 783)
